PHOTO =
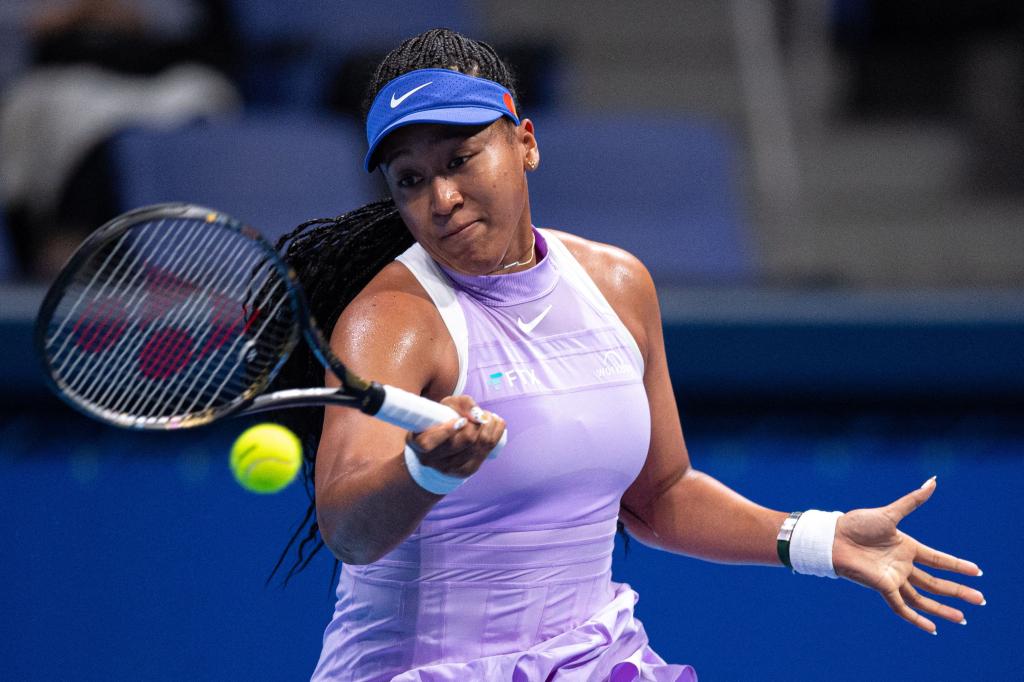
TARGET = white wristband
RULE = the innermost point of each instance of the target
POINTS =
(810, 547)
(428, 478)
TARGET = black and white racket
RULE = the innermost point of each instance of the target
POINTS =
(174, 315)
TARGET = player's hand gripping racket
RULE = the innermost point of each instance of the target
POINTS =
(175, 315)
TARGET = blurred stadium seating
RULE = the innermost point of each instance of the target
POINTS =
(292, 49)
(347, 25)
(272, 171)
(664, 188)
(8, 264)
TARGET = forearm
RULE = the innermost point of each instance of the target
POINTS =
(699, 516)
(365, 514)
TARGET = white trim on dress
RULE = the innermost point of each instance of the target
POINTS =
(439, 288)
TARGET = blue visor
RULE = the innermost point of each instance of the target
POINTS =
(434, 96)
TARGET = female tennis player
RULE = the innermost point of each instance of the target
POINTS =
(459, 566)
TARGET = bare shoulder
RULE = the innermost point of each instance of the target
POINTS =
(392, 332)
(387, 300)
(618, 274)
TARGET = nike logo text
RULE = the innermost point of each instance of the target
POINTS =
(528, 327)
(395, 101)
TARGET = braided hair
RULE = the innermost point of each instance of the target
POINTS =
(335, 258)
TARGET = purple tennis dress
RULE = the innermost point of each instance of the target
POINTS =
(509, 576)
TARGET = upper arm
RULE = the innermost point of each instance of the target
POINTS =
(628, 287)
(391, 333)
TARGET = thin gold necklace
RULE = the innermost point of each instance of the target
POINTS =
(533, 254)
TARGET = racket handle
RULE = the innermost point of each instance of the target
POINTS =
(416, 413)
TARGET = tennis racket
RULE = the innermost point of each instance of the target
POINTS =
(175, 315)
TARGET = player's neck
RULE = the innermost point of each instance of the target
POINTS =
(526, 259)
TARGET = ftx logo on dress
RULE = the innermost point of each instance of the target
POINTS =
(513, 378)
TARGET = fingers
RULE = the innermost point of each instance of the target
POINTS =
(467, 407)
(900, 608)
(946, 588)
(947, 562)
(906, 599)
(899, 509)
(429, 439)
(463, 404)
(469, 412)
(479, 441)
(460, 445)
(918, 601)
(492, 426)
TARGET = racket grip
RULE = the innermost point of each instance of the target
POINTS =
(416, 413)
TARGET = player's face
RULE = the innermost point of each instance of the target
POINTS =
(462, 190)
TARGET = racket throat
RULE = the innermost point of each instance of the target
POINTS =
(368, 401)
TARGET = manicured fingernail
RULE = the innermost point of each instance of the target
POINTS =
(980, 573)
(963, 622)
(929, 481)
(983, 602)
(935, 632)
(459, 424)
(479, 416)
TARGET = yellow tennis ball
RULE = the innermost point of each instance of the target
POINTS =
(266, 458)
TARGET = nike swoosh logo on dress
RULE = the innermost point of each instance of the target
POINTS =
(528, 327)
(395, 101)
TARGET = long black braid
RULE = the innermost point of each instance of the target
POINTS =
(335, 258)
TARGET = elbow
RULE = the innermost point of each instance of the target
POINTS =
(354, 557)
(636, 526)
(347, 552)
(342, 551)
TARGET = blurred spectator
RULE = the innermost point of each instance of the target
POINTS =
(97, 67)
(907, 58)
(946, 60)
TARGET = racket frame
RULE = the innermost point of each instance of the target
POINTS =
(353, 392)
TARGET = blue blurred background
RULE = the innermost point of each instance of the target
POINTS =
(829, 194)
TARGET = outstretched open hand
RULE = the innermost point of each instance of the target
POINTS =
(870, 550)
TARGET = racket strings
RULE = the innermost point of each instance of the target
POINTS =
(83, 376)
(168, 350)
(275, 296)
(145, 300)
(165, 352)
(173, 319)
(141, 299)
(223, 370)
(86, 293)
